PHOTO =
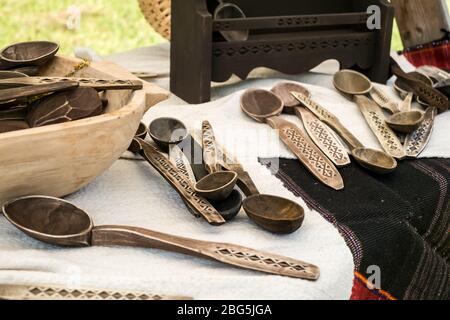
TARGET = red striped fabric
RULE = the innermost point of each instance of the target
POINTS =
(436, 54)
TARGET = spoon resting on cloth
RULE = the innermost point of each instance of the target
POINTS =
(58, 222)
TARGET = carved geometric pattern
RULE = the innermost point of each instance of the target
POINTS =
(313, 157)
(261, 259)
(202, 205)
(333, 149)
(322, 113)
(385, 133)
(303, 21)
(86, 81)
(416, 140)
(77, 294)
(209, 144)
(438, 100)
(179, 163)
(255, 49)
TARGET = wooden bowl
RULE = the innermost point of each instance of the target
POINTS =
(60, 159)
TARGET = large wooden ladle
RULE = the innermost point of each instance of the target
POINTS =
(59, 222)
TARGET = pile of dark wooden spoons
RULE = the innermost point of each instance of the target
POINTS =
(33, 101)
(192, 168)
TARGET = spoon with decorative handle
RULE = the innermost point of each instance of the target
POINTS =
(59, 222)
(41, 292)
(31, 91)
(97, 84)
(426, 93)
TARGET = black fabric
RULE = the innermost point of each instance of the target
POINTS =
(399, 222)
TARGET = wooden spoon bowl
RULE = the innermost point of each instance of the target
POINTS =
(405, 122)
(274, 214)
(283, 91)
(352, 83)
(50, 220)
(374, 160)
(167, 131)
(261, 104)
(33, 53)
(217, 186)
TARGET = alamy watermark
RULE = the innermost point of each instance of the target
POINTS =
(374, 280)
(374, 20)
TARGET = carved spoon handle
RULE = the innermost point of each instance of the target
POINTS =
(209, 148)
(97, 84)
(26, 92)
(181, 184)
(43, 292)
(223, 252)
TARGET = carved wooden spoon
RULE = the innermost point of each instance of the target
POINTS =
(426, 93)
(264, 106)
(97, 84)
(319, 132)
(59, 222)
(357, 85)
(8, 95)
(218, 184)
(274, 214)
(373, 160)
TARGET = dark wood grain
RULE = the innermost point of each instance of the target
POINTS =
(288, 36)
(421, 21)
(26, 92)
(97, 84)
(66, 106)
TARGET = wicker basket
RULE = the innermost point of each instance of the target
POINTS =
(157, 13)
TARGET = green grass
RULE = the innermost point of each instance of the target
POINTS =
(107, 26)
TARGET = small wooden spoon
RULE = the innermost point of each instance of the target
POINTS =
(426, 93)
(274, 214)
(356, 84)
(319, 132)
(349, 84)
(264, 106)
(373, 160)
(228, 208)
(167, 132)
(59, 222)
(219, 184)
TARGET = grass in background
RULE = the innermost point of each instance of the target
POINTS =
(107, 26)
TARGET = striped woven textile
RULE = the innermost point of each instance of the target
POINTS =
(436, 54)
(398, 223)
